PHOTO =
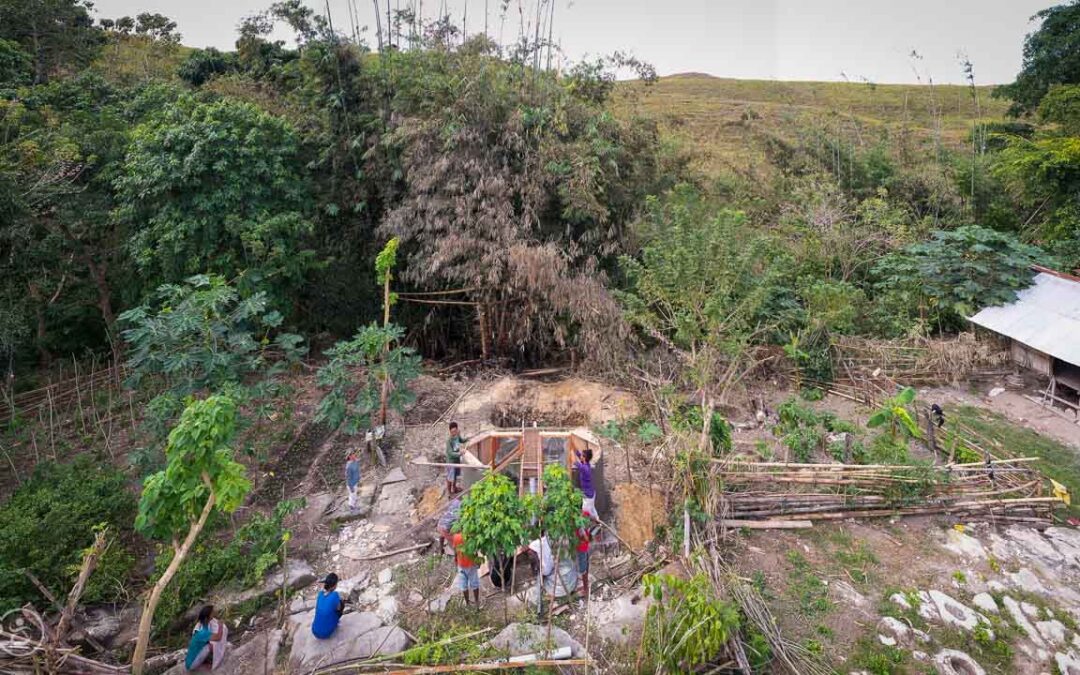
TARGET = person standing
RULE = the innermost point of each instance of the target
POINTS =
(446, 523)
(584, 535)
(328, 608)
(206, 649)
(453, 456)
(352, 478)
(468, 578)
(583, 468)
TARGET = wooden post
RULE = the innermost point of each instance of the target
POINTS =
(481, 311)
(847, 448)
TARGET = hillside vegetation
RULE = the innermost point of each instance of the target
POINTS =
(727, 121)
(215, 262)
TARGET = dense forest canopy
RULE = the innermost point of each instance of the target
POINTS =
(522, 195)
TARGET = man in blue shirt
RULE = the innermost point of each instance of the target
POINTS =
(352, 478)
(328, 609)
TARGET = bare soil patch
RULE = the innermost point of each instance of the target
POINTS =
(638, 512)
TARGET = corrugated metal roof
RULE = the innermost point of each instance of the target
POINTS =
(1044, 316)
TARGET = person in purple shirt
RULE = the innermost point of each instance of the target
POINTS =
(583, 468)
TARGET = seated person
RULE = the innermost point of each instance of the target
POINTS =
(206, 650)
(328, 609)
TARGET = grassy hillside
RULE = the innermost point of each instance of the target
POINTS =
(727, 121)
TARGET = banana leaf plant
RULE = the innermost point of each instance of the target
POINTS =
(894, 412)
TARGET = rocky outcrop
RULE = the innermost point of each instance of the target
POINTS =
(359, 635)
(528, 638)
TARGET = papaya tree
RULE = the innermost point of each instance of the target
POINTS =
(372, 350)
(200, 476)
(384, 272)
(493, 521)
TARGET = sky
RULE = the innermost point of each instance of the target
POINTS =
(761, 39)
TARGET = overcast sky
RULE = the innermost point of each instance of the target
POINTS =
(766, 39)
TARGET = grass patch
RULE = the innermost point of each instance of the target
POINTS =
(811, 593)
(877, 659)
(1057, 460)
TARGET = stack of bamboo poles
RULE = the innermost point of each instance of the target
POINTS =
(918, 360)
(1009, 489)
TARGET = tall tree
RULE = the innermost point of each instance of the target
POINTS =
(217, 188)
(201, 476)
(1051, 56)
(58, 34)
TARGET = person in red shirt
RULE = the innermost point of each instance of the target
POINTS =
(468, 577)
(584, 536)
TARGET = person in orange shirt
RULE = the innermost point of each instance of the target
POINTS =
(468, 577)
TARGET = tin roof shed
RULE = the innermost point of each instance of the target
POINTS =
(1045, 316)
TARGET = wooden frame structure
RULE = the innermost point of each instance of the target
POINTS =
(523, 453)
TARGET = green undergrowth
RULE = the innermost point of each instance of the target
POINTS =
(1057, 460)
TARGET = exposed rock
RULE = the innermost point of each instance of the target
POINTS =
(296, 575)
(386, 575)
(892, 631)
(301, 604)
(440, 602)
(528, 638)
(359, 635)
(396, 500)
(396, 475)
(1033, 543)
(1067, 663)
(954, 662)
(619, 619)
(964, 545)
(927, 607)
(1020, 620)
(1053, 631)
(1067, 542)
(899, 599)
(920, 656)
(110, 628)
(847, 595)
(351, 588)
(388, 608)
(415, 597)
(955, 613)
(1026, 580)
(1030, 609)
(985, 602)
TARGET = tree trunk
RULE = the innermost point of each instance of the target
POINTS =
(44, 355)
(87, 568)
(147, 618)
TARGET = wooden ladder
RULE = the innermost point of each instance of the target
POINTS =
(532, 461)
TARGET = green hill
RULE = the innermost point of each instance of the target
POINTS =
(726, 121)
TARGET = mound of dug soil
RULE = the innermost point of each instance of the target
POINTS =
(569, 402)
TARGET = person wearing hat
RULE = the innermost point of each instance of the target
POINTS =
(328, 609)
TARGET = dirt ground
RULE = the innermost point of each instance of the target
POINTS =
(639, 510)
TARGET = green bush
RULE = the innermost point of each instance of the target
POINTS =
(687, 624)
(216, 561)
(51, 519)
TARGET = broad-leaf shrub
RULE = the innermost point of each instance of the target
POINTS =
(370, 357)
(687, 625)
(50, 520)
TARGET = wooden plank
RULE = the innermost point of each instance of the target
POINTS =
(767, 524)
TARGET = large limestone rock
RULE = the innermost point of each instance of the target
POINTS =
(620, 619)
(257, 655)
(964, 545)
(528, 638)
(359, 635)
(955, 613)
(297, 574)
(953, 662)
